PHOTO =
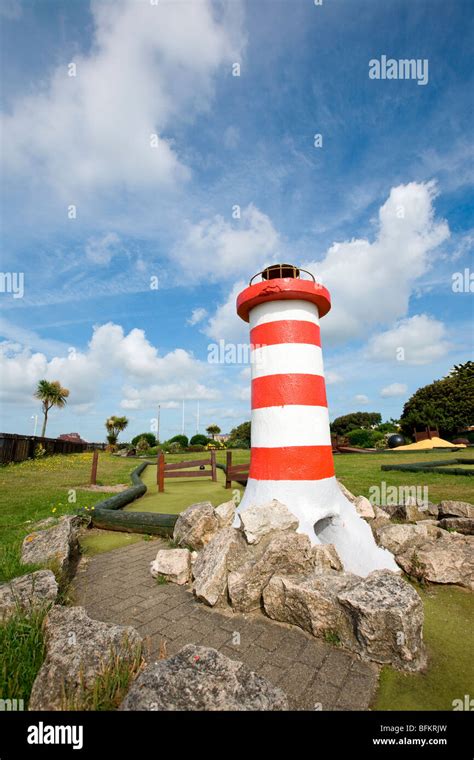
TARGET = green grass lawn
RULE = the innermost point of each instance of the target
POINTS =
(359, 472)
(449, 637)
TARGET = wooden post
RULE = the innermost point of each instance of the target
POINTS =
(213, 466)
(160, 472)
(95, 459)
(228, 465)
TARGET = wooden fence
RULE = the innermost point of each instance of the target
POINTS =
(237, 472)
(178, 469)
(17, 448)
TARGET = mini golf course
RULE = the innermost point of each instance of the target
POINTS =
(179, 493)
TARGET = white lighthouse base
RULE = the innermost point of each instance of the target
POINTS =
(327, 517)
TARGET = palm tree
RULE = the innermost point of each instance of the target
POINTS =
(50, 394)
(213, 430)
(114, 426)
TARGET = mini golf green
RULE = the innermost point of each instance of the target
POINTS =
(96, 541)
(180, 493)
(449, 639)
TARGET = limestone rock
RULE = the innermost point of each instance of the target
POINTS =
(195, 527)
(225, 513)
(449, 559)
(364, 508)
(311, 603)
(286, 554)
(59, 544)
(173, 564)
(202, 679)
(77, 649)
(28, 592)
(381, 514)
(221, 555)
(459, 524)
(456, 509)
(350, 496)
(258, 520)
(325, 557)
(398, 538)
(388, 618)
(410, 512)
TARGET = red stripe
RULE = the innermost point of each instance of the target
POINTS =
(280, 390)
(285, 331)
(292, 463)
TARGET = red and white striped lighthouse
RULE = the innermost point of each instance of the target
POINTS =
(291, 456)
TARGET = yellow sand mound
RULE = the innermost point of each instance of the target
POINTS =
(431, 443)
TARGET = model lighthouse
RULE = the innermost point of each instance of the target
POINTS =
(291, 455)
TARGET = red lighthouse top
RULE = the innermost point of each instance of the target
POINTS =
(282, 282)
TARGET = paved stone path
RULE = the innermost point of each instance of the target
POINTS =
(117, 587)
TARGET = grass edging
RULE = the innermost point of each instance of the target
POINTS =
(107, 515)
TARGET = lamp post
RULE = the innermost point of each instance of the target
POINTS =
(291, 453)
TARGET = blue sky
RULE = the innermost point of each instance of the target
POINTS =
(155, 142)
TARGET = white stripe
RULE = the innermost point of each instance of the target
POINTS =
(275, 311)
(287, 358)
(291, 425)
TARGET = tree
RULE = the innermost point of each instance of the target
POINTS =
(213, 430)
(147, 436)
(199, 440)
(447, 404)
(50, 394)
(355, 421)
(114, 426)
(181, 439)
(239, 436)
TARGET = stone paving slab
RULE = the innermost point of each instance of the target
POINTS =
(117, 587)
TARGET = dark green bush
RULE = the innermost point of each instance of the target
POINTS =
(181, 439)
(366, 439)
(148, 436)
(199, 440)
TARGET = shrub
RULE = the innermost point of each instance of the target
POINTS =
(237, 443)
(196, 447)
(199, 440)
(175, 447)
(365, 439)
(143, 446)
(181, 439)
(40, 451)
(149, 437)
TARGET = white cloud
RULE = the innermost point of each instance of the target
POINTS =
(197, 316)
(101, 250)
(361, 398)
(333, 377)
(149, 66)
(112, 358)
(417, 340)
(218, 249)
(394, 389)
(224, 323)
(371, 282)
